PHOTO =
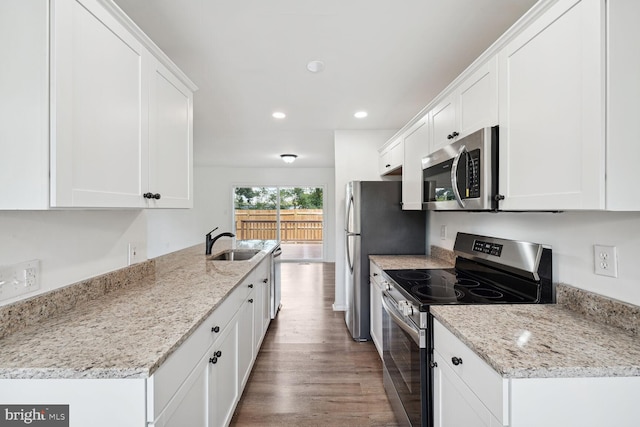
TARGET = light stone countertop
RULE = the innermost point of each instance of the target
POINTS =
(542, 341)
(131, 331)
(538, 340)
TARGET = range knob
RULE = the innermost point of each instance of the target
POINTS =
(406, 307)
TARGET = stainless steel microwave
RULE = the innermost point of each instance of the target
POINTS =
(463, 175)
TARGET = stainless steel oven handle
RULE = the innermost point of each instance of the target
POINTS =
(397, 319)
(454, 176)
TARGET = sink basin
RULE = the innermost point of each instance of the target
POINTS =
(235, 255)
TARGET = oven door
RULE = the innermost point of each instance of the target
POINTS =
(404, 356)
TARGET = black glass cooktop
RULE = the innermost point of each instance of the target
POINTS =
(451, 286)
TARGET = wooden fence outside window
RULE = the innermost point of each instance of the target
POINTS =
(296, 225)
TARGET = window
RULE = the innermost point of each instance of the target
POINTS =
(294, 215)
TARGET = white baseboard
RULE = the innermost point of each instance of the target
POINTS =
(339, 307)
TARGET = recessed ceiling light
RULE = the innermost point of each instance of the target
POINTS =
(361, 114)
(279, 115)
(315, 66)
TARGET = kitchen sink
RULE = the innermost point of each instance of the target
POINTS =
(235, 255)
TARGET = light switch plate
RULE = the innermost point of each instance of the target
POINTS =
(605, 259)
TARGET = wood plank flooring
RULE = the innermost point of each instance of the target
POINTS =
(309, 371)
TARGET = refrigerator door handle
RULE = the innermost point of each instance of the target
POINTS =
(348, 251)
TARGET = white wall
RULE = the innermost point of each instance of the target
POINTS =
(71, 245)
(214, 196)
(571, 235)
(356, 159)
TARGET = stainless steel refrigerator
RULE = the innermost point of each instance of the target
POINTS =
(375, 224)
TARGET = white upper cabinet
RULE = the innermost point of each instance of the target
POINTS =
(416, 146)
(552, 111)
(472, 105)
(99, 131)
(102, 116)
(170, 141)
(391, 158)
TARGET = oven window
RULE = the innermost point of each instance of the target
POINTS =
(402, 358)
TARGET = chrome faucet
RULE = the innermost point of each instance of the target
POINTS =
(211, 240)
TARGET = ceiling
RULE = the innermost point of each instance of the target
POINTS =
(249, 58)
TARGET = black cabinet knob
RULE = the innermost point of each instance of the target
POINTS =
(251, 285)
(251, 300)
(218, 353)
(387, 166)
(499, 197)
(454, 134)
(147, 195)
(215, 329)
(213, 360)
(265, 280)
(434, 364)
(449, 136)
(456, 361)
(156, 196)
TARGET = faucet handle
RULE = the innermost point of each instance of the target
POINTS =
(209, 233)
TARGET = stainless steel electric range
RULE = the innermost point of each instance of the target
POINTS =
(488, 270)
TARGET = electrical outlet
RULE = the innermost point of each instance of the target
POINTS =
(19, 279)
(605, 260)
(134, 255)
(443, 232)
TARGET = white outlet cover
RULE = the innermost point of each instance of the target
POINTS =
(605, 259)
(134, 253)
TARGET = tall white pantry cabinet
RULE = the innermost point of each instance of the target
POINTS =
(93, 113)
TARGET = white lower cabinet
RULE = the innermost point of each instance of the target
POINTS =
(224, 388)
(468, 392)
(375, 309)
(246, 339)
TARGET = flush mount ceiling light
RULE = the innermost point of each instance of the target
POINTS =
(278, 115)
(361, 114)
(315, 66)
(288, 158)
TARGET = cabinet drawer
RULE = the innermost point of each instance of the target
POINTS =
(376, 273)
(166, 381)
(483, 381)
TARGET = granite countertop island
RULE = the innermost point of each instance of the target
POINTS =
(583, 335)
(130, 331)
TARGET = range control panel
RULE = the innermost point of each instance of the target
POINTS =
(494, 249)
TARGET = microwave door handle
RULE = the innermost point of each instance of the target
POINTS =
(454, 176)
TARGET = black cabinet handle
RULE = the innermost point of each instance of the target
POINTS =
(152, 196)
(251, 300)
(456, 361)
(251, 285)
(387, 166)
(215, 329)
(265, 280)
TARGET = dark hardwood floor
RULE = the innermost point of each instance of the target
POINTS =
(309, 371)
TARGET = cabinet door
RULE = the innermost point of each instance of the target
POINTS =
(443, 123)
(245, 339)
(390, 160)
(223, 377)
(552, 140)
(190, 405)
(454, 404)
(170, 141)
(477, 99)
(376, 315)
(416, 146)
(99, 117)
